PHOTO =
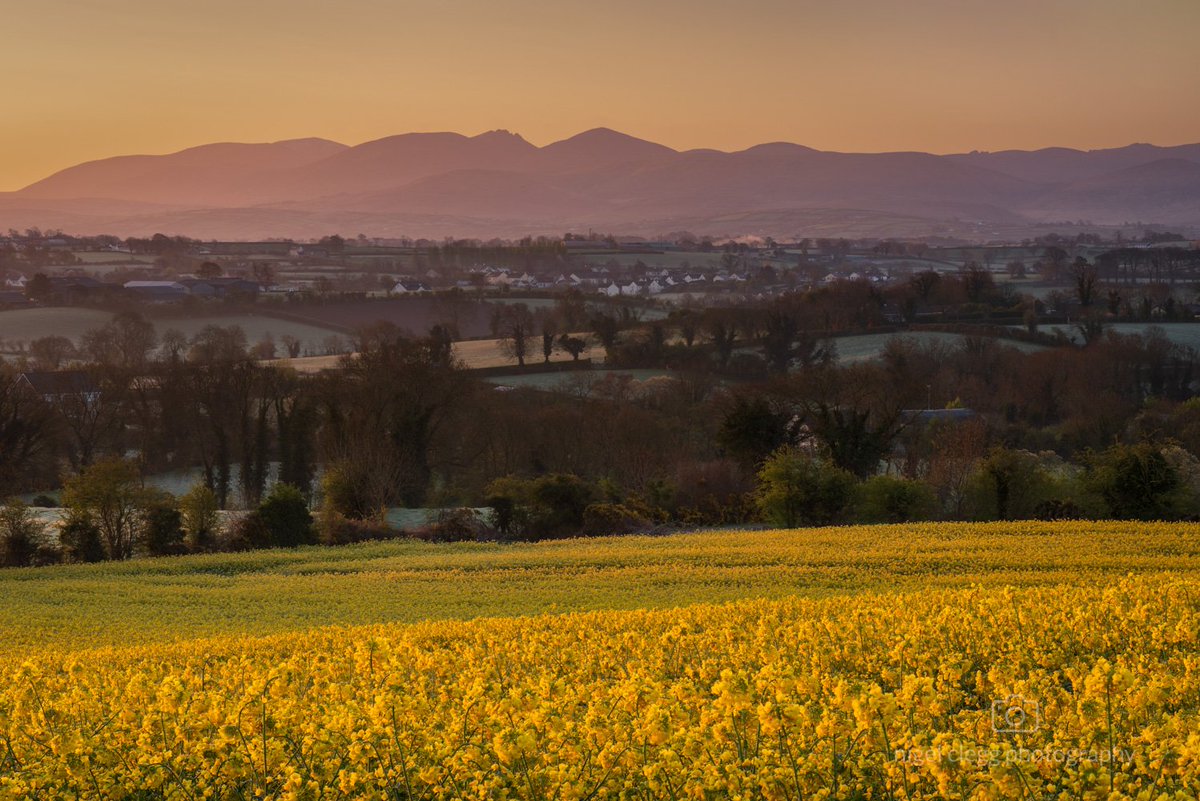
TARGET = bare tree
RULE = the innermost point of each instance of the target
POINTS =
(513, 325)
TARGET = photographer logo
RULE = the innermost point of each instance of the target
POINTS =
(1016, 715)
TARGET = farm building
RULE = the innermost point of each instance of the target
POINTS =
(54, 385)
(157, 290)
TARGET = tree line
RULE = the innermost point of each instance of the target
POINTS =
(927, 430)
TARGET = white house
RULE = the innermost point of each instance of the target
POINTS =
(407, 287)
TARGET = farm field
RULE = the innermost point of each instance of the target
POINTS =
(256, 326)
(1186, 334)
(25, 325)
(570, 380)
(475, 354)
(870, 346)
(831, 663)
(413, 314)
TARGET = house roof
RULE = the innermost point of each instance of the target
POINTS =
(59, 382)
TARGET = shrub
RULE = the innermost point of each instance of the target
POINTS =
(1135, 481)
(110, 493)
(284, 513)
(336, 529)
(248, 532)
(162, 529)
(21, 534)
(1009, 485)
(713, 493)
(43, 501)
(752, 430)
(81, 539)
(456, 525)
(198, 511)
(887, 499)
(342, 491)
(1056, 509)
(798, 487)
(603, 519)
(540, 508)
(505, 516)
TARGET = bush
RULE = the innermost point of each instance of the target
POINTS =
(285, 516)
(798, 487)
(1055, 509)
(43, 501)
(162, 529)
(336, 529)
(603, 519)
(540, 508)
(456, 525)
(1137, 482)
(81, 539)
(342, 492)
(21, 535)
(248, 532)
(1010, 485)
(713, 493)
(109, 492)
(887, 499)
(199, 517)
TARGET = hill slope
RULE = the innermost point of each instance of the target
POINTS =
(498, 184)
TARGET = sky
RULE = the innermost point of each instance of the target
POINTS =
(88, 79)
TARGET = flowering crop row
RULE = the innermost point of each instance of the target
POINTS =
(1082, 691)
(148, 601)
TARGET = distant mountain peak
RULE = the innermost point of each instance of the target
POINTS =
(497, 180)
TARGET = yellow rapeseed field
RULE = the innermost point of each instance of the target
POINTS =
(968, 662)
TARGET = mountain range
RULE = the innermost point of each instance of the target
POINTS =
(498, 184)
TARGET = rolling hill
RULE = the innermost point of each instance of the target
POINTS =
(499, 184)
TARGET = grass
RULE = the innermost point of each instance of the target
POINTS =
(870, 346)
(26, 325)
(169, 599)
(1186, 334)
(570, 380)
(475, 354)
(256, 326)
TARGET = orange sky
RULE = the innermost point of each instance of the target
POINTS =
(91, 78)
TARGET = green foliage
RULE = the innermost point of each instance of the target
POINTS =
(1012, 485)
(455, 525)
(798, 487)
(539, 508)
(342, 495)
(81, 539)
(21, 534)
(1137, 482)
(604, 519)
(751, 430)
(285, 517)
(199, 518)
(162, 528)
(110, 493)
(887, 499)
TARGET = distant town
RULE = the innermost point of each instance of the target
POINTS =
(44, 268)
